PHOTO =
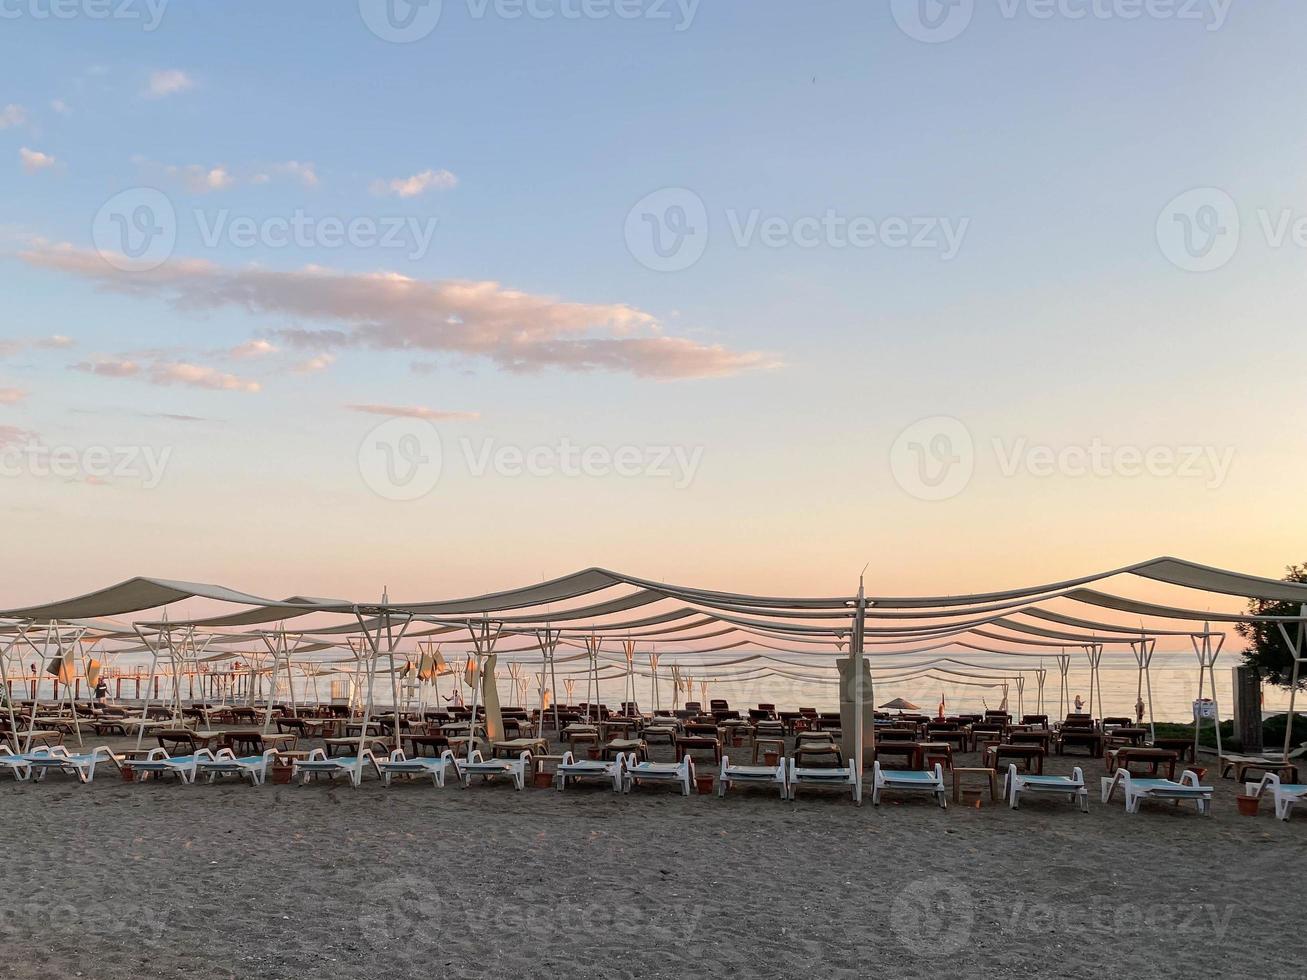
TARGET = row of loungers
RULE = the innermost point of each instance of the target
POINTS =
(627, 771)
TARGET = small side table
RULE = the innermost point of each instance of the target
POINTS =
(990, 774)
(761, 745)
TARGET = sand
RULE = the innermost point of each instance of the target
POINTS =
(118, 880)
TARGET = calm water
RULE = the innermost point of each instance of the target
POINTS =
(1174, 686)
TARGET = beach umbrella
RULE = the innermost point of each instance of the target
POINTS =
(899, 704)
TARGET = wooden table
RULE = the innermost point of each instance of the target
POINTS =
(1041, 738)
(989, 774)
(417, 742)
(1093, 741)
(1030, 756)
(1155, 758)
(1184, 746)
(909, 752)
(685, 744)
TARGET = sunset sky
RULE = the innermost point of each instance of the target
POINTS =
(744, 296)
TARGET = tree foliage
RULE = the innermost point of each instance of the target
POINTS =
(1266, 649)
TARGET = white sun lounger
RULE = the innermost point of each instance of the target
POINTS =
(660, 772)
(82, 766)
(319, 764)
(1138, 789)
(776, 775)
(15, 762)
(478, 765)
(574, 769)
(843, 777)
(158, 762)
(398, 764)
(910, 781)
(1072, 787)
(1285, 795)
(226, 763)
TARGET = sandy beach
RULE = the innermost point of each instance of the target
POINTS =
(117, 880)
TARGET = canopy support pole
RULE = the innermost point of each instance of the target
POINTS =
(1296, 649)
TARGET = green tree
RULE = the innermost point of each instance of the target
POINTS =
(1266, 649)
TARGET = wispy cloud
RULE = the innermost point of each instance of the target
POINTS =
(35, 161)
(169, 373)
(200, 179)
(521, 332)
(305, 173)
(17, 345)
(12, 396)
(12, 115)
(418, 184)
(315, 364)
(170, 81)
(61, 107)
(252, 348)
(415, 412)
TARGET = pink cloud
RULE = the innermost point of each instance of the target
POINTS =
(12, 396)
(13, 436)
(415, 412)
(521, 332)
(170, 373)
(252, 348)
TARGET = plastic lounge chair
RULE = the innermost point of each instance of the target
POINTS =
(574, 769)
(319, 764)
(1137, 790)
(730, 775)
(844, 777)
(15, 762)
(159, 762)
(82, 766)
(1072, 787)
(660, 772)
(1285, 795)
(399, 764)
(227, 763)
(910, 781)
(478, 765)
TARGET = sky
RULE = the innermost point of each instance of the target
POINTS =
(324, 298)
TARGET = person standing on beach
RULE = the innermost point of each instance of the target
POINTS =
(1080, 704)
(1139, 710)
(101, 692)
